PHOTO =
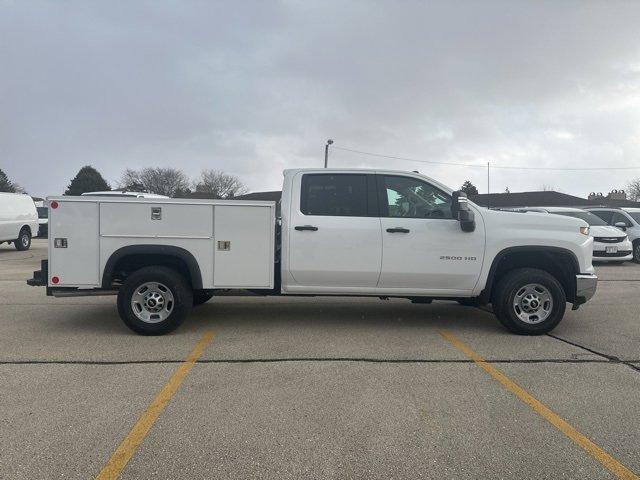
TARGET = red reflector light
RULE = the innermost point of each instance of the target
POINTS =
(55, 279)
(54, 204)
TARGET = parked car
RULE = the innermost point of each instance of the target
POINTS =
(625, 219)
(340, 232)
(123, 193)
(43, 221)
(18, 220)
(609, 244)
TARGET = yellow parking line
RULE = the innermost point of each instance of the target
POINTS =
(136, 436)
(610, 463)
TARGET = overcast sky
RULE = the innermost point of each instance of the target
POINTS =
(253, 88)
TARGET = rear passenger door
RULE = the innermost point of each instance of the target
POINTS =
(334, 233)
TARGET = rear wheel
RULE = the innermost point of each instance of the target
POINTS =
(23, 242)
(529, 301)
(154, 300)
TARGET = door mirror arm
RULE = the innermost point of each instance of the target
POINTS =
(460, 210)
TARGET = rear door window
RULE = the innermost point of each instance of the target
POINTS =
(337, 195)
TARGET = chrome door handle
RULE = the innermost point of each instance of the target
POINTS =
(398, 230)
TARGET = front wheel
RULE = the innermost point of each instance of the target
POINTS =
(24, 240)
(154, 300)
(529, 301)
(636, 251)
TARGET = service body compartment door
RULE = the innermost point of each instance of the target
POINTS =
(244, 246)
(77, 264)
(147, 219)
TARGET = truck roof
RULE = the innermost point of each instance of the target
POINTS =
(413, 173)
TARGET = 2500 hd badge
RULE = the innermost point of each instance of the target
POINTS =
(451, 257)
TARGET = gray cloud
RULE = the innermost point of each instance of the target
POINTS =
(256, 87)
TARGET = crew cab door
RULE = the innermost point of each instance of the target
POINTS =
(334, 237)
(423, 246)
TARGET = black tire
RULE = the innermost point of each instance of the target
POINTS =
(179, 290)
(23, 242)
(511, 284)
(201, 296)
(636, 251)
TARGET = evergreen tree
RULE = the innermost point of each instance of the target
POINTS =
(469, 188)
(5, 184)
(88, 179)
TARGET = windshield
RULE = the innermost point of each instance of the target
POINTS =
(588, 217)
(635, 216)
(43, 212)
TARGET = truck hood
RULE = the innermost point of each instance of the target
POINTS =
(542, 221)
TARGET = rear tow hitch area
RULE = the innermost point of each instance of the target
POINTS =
(40, 276)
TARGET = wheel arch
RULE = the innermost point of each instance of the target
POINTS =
(138, 256)
(557, 261)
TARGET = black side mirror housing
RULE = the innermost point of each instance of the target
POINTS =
(460, 210)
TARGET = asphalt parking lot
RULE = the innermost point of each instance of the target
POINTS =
(316, 388)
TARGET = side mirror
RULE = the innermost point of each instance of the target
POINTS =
(460, 210)
(621, 225)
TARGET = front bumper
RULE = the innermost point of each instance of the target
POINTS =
(599, 255)
(586, 285)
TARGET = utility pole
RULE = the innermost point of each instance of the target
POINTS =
(488, 190)
(326, 152)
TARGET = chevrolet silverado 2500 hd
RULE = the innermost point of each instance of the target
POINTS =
(335, 232)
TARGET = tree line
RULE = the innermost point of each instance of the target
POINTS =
(171, 182)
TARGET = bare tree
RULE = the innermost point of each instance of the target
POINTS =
(130, 180)
(163, 181)
(218, 184)
(633, 190)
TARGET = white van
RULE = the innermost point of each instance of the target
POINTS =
(18, 219)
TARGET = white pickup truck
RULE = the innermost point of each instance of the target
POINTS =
(335, 232)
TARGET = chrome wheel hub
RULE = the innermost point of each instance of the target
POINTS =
(25, 240)
(533, 303)
(152, 302)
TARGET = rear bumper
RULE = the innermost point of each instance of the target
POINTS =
(586, 285)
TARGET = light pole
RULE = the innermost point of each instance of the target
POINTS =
(326, 152)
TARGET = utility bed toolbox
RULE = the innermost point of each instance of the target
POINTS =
(231, 242)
